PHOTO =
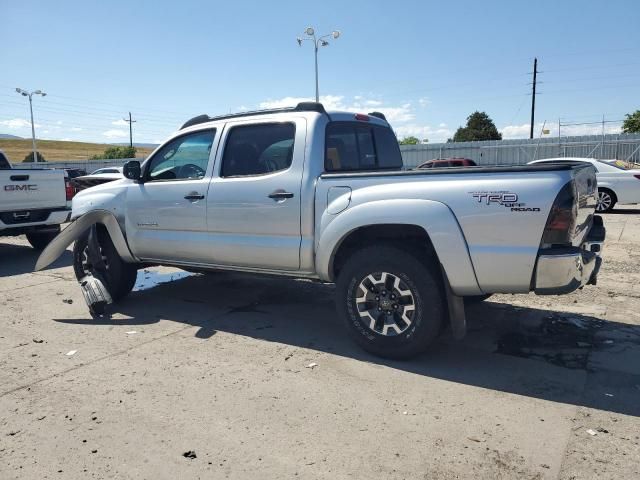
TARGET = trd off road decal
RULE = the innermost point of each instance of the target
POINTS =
(503, 198)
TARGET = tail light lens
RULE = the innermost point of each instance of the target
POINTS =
(68, 189)
(562, 219)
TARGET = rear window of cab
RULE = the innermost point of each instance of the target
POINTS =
(357, 146)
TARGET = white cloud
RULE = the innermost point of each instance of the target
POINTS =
(119, 123)
(17, 124)
(115, 134)
(394, 114)
(522, 131)
(434, 135)
(424, 101)
(76, 129)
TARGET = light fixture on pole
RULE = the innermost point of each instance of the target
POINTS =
(25, 93)
(317, 42)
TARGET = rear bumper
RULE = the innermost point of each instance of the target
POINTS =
(31, 220)
(561, 270)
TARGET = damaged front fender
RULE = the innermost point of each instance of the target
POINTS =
(78, 228)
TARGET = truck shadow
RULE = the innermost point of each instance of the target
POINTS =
(21, 259)
(545, 354)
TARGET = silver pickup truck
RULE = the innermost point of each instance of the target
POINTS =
(308, 193)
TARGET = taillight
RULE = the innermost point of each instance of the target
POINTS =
(561, 223)
(68, 189)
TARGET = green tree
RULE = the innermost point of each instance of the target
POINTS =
(116, 152)
(409, 141)
(29, 157)
(631, 122)
(479, 127)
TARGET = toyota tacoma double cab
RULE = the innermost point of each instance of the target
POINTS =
(33, 202)
(305, 192)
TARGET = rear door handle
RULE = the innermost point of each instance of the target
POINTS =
(280, 195)
(194, 196)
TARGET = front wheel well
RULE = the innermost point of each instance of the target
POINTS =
(411, 238)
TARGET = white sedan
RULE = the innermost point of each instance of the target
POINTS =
(617, 182)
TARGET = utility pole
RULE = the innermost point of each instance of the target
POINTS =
(130, 122)
(533, 96)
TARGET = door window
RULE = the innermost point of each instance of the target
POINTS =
(258, 149)
(183, 158)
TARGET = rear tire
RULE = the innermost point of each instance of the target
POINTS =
(397, 314)
(40, 239)
(606, 200)
(120, 276)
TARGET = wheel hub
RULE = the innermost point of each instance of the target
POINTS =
(385, 303)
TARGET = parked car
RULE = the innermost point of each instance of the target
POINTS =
(302, 192)
(617, 183)
(447, 162)
(33, 202)
(98, 177)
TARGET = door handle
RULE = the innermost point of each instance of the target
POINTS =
(280, 195)
(194, 196)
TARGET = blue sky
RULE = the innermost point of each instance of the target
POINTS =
(426, 64)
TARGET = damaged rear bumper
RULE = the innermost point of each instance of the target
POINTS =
(561, 270)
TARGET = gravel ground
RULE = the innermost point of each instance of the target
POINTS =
(232, 376)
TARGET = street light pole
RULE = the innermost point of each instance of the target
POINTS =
(317, 43)
(25, 93)
(33, 131)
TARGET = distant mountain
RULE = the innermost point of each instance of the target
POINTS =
(141, 145)
(6, 136)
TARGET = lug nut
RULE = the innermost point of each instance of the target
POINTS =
(393, 296)
(377, 298)
(384, 292)
(379, 309)
(395, 305)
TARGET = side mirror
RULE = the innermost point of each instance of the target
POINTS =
(131, 170)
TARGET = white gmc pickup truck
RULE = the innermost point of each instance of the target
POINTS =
(33, 202)
(308, 193)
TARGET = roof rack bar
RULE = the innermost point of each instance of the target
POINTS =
(301, 107)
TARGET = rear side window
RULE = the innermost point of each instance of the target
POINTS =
(351, 146)
(4, 163)
(258, 149)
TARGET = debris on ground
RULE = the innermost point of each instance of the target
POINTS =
(592, 432)
(70, 353)
(603, 430)
(67, 301)
(130, 332)
(37, 340)
(190, 454)
(312, 365)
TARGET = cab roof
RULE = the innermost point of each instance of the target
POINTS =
(378, 117)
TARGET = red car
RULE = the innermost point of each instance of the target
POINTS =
(447, 162)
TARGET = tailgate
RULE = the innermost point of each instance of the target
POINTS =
(31, 189)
